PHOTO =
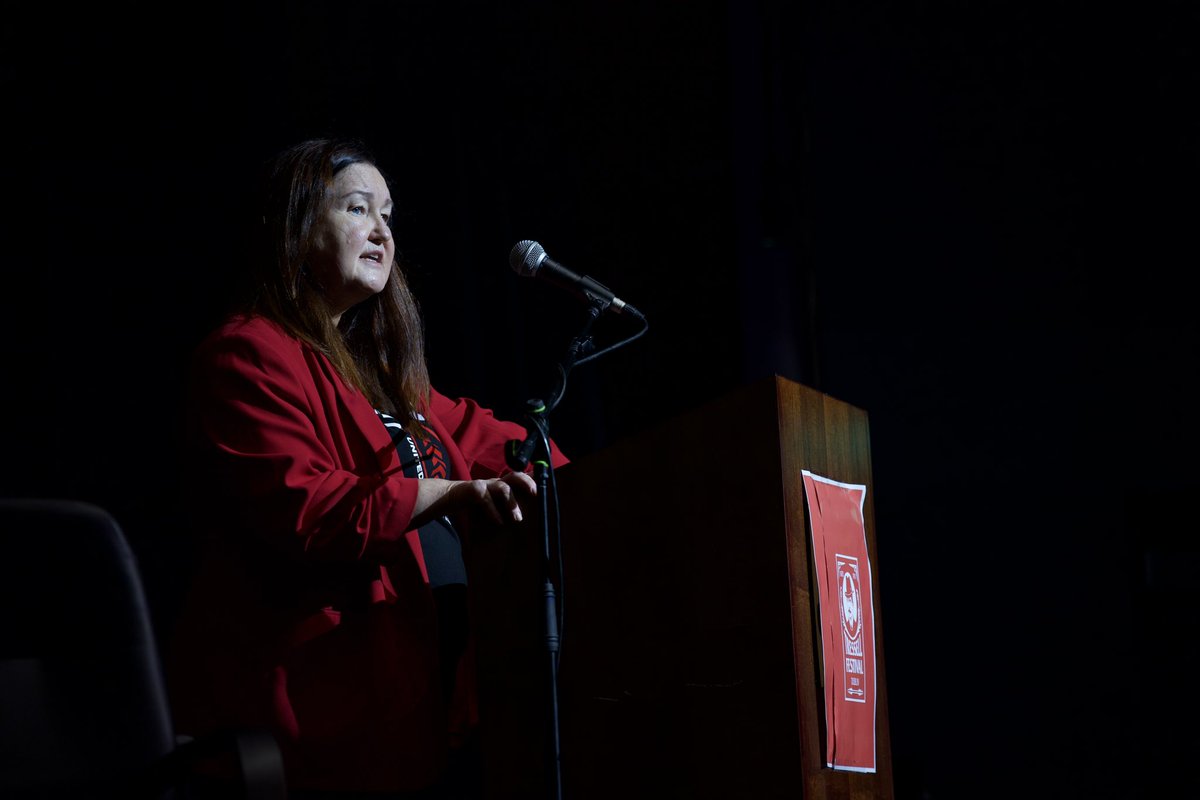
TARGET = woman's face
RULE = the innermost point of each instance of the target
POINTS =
(352, 248)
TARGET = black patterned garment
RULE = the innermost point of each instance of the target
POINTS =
(441, 546)
(439, 540)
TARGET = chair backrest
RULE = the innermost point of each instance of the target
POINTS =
(82, 699)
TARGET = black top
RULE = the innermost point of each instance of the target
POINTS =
(439, 541)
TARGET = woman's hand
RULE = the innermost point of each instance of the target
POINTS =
(499, 499)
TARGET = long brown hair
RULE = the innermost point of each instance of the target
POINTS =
(379, 345)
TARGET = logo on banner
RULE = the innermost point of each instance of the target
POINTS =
(850, 592)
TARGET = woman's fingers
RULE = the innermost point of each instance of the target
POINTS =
(522, 481)
(505, 499)
(500, 498)
(506, 493)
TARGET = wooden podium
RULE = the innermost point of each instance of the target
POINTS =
(689, 663)
(689, 660)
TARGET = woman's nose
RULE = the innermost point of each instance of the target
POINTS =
(381, 232)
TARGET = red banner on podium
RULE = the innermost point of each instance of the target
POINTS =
(843, 574)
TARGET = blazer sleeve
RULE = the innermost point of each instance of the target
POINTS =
(481, 436)
(279, 461)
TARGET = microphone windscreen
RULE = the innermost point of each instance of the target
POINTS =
(526, 256)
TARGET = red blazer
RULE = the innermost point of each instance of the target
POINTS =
(311, 612)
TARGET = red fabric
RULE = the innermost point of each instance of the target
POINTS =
(846, 602)
(311, 613)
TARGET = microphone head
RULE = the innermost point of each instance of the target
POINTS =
(526, 257)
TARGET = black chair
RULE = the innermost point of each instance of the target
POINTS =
(83, 706)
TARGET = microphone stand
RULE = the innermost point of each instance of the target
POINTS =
(535, 449)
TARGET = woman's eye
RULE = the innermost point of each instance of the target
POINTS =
(386, 217)
(358, 209)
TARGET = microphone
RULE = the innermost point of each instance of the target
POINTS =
(529, 258)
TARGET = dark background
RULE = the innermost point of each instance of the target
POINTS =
(973, 220)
